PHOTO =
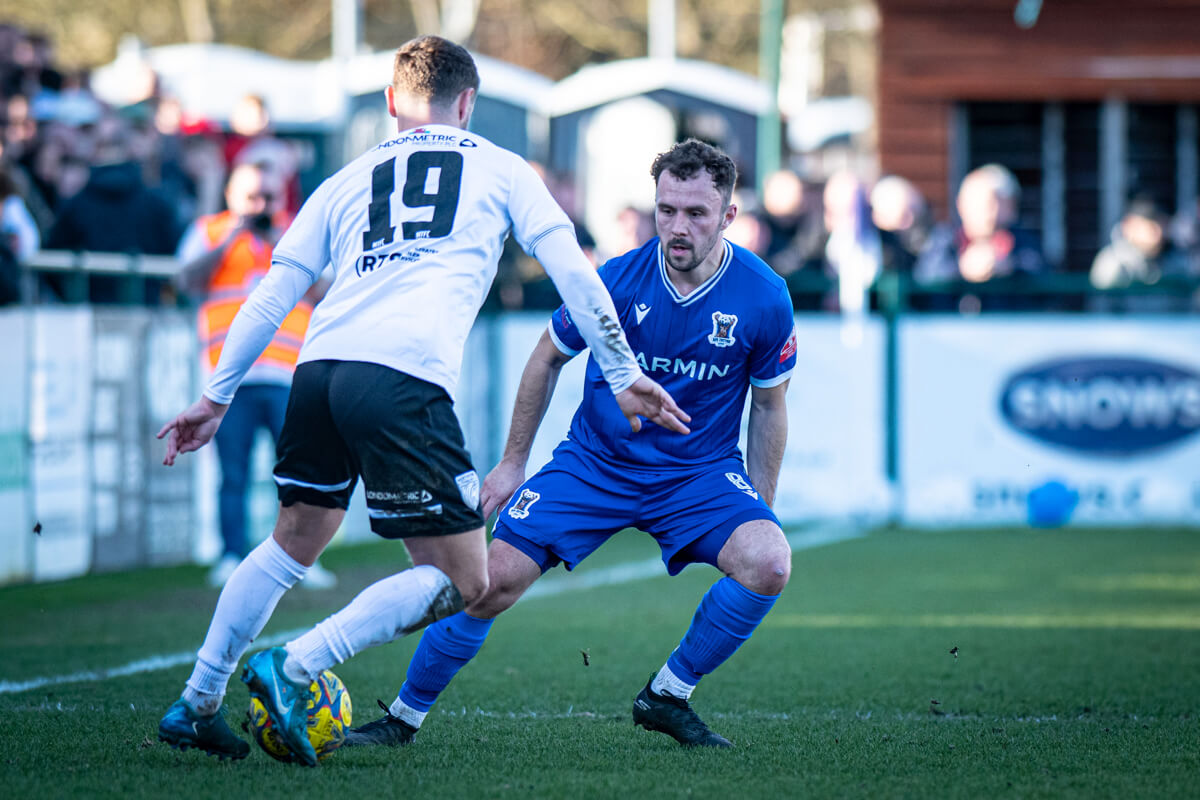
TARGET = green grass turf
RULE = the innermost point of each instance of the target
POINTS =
(1076, 676)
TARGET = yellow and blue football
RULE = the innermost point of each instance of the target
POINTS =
(329, 717)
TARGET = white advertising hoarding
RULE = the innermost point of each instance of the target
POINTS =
(834, 464)
(518, 335)
(1050, 418)
(15, 522)
(59, 417)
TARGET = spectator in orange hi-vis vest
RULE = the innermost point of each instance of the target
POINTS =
(223, 257)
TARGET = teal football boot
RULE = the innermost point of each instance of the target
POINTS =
(285, 700)
(183, 727)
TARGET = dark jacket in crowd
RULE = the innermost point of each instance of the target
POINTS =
(10, 276)
(116, 213)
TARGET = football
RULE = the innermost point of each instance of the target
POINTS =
(329, 716)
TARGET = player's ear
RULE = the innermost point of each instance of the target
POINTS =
(390, 94)
(730, 213)
(464, 104)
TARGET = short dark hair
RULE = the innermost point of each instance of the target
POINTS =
(687, 158)
(435, 69)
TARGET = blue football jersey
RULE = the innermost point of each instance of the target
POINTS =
(706, 348)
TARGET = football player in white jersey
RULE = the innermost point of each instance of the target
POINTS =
(413, 230)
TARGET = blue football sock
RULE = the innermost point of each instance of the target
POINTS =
(446, 646)
(727, 616)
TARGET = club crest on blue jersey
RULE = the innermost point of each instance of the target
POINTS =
(520, 509)
(741, 484)
(722, 334)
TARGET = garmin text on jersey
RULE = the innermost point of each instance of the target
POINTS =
(697, 370)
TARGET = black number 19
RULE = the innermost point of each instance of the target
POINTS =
(444, 200)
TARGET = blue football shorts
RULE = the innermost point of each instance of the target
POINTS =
(577, 501)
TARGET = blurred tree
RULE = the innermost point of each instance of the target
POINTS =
(553, 37)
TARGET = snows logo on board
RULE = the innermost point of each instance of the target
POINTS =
(1115, 406)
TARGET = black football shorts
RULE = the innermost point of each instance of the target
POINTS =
(347, 419)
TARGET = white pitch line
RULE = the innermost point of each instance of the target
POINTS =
(152, 664)
(607, 576)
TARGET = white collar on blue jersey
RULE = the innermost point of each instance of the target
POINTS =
(703, 288)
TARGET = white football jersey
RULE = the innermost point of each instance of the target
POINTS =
(413, 229)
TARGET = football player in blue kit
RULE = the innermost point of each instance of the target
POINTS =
(708, 320)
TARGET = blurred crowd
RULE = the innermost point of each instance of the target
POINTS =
(832, 240)
(81, 175)
(853, 231)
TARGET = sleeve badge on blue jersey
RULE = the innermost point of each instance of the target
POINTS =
(723, 325)
(520, 509)
(789, 349)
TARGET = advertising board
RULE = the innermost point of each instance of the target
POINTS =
(1048, 419)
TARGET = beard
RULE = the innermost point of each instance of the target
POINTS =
(686, 262)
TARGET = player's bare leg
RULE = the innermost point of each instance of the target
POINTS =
(758, 557)
(446, 571)
(510, 574)
(243, 608)
(447, 646)
(304, 531)
(757, 560)
(461, 556)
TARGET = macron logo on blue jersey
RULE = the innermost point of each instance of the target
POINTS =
(641, 310)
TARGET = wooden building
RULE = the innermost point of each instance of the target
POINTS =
(1087, 101)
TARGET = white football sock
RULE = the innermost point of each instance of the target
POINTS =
(384, 611)
(245, 605)
(667, 682)
(407, 713)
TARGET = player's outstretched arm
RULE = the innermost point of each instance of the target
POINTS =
(646, 399)
(192, 429)
(254, 325)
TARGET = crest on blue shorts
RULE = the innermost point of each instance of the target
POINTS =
(520, 509)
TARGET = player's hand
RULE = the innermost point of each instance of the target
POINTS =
(500, 484)
(647, 399)
(192, 429)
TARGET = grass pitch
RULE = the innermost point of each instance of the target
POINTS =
(1074, 673)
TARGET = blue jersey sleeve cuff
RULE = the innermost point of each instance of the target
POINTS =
(566, 351)
(767, 383)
